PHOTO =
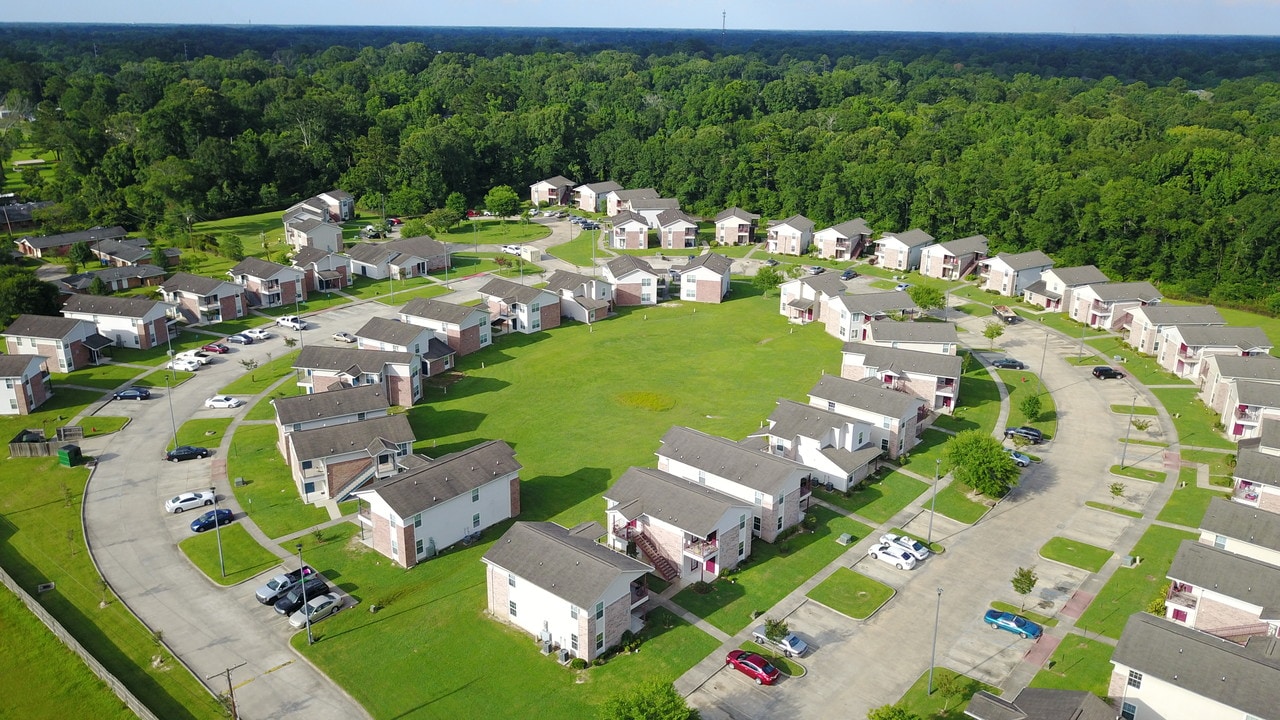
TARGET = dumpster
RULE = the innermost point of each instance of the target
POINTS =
(69, 455)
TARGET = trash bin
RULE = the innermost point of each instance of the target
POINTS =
(69, 455)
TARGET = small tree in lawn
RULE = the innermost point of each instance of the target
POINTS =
(502, 201)
(981, 462)
(1024, 581)
(767, 278)
(250, 365)
(1030, 407)
(775, 630)
(457, 202)
(651, 700)
(81, 254)
(991, 330)
(951, 686)
(892, 712)
(926, 297)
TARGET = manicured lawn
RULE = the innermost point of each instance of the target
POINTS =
(464, 264)
(164, 378)
(1193, 421)
(1114, 509)
(1220, 464)
(425, 292)
(971, 309)
(878, 498)
(438, 608)
(1242, 318)
(578, 250)
(1076, 553)
(491, 231)
(954, 502)
(784, 664)
(1143, 368)
(389, 290)
(767, 577)
(1061, 323)
(55, 412)
(1021, 384)
(852, 593)
(922, 460)
(1043, 620)
(918, 700)
(1188, 503)
(1078, 664)
(242, 556)
(262, 377)
(269, 495)
(1148, 443)
(106, 377)
(264, 410)
(40, 677)
(1138, 473)
(1131, 589)
(159, 355)
(979, 404)
(1136, 409)
(202, 432)
(95, 425)
(231, 327)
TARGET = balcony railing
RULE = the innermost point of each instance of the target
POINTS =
(625, 532)
(1248, 414)
(701, 548)
(1192, 355)
(1247, 494)
(1182, 599)
(946, 387)
(639, 594)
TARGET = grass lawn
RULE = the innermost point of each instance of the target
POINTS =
(918, 700)
(1078, 664)
(264, 410)
(269, 495)
(1193, 421)
(40, 677)
(1145, 369)
(1220, 464)
(1188, 503)
(426, 292)
(1075, 553)
(922, 460)
(231, 327)
(955, 503)
(262, 377)
(578, 250)
(1131, 589)
(784, 664)
(159, 354)
(1043, 620)
(1138, 473)
(852, 593)
(1148, 443)
(1137, 410)
(1062, 323)
(95, 425)
(162, 378)
(1242, 318)
(106, 377)
(971, 309)
(767, 578)
(202, 432)
(1020, 385)
(441, 604)
(879, 497)
(242, 556)
(979, 404)
(367, 289)
(491, 231)
(1113, 508)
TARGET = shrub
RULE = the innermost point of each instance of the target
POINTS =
(578, 664)
(784, 548)
(702, 587)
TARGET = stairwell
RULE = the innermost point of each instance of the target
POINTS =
(660, 563)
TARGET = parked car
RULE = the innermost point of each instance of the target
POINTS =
(239, 339)
(256, 334)
(753, 666)
(1018, 458)
(211, 519)
(293, 322)
(1009, 364)
(815, 269)
(197, 355)
(132, 393)
(186, 452)
(216, 348)
(345, 337)
(395, 221)
(511, 249)
(1107, 373)
(914, 547)
(893, 555)
(291, 602)
(1015, 624)
(223, 401)
(848, 274)
(789, 645)
(281, 584)
(1033, 435)
(902, 286)
(316, 609)
(188, 501)
(183, 364)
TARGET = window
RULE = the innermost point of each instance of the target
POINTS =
(297, 427)
(511, 580)
(599, 610)
(573, 613)
(599, 641)
(511, 608)
(573, 643)
(781, 498)
(759, 498)
(1135, 679)
(742, 548)
(1220, 542)
(419, 548)
(885, 422)
(1128, 711)
(475, 495)
(755, 525)
(884, 444)
(475, 520)
(417, 520)
(360, 416)
(646, 298)
(779, 521)
(646, 282)
(395, 548)
(702, 477)
(742, 522)
(307, 464)
(831, 406)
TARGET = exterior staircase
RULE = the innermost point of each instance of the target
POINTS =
(660, 563)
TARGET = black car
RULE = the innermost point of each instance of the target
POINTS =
(133, 393)
(848, 275)
(186, 452)
(206, 521)
(291, 601)
(1009, 364)
(1033, 435)
(1107, 373)
(771, 263)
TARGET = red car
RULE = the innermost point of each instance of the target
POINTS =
(395, 221)
(753, 666)
(218, 348)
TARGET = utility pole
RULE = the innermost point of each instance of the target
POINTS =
(231, 691)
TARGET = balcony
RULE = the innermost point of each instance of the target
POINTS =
(639, 593)
(1246, 493)
(701, 549)
(1248, 414)
(625, 532)
(366, 515)
(946, 386)
(1189, 355)
(1181, 599)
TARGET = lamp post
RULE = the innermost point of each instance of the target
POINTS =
(934, 652)
(1124, 451)
(303, 579)
(933, 505)
(217, 530)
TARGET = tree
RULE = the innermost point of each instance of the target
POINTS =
(158, 258)
(950, 685)
(892, 712)
(98, 286)
(456, 202)
(502, 201)
(249, 365)
(775, 630)
(926, 297)
(651, 700)
(231, 247)
(22, 293)
(441, 220)
(81, 254)
(991, 330)
(416, 227)
(1030, 407)
(767, 278)
(981, 462)
(1024, 581)
(1117, 489)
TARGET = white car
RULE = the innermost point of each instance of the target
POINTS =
(184, 364)
(293, 322)
(893, 554)
(188, 501)
(511, 249)
(345, 337)
(916, 548)
(196, 355)
(223, 401)
(256, 334)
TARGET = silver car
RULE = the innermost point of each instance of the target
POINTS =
(790, 645)
(317, 609)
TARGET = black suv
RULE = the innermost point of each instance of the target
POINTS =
(291, 601)
(1107, 373)
(1035, 436)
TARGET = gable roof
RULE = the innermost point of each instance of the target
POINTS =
(1161, 314)
(1254, 465)
(624, 264)
(565, 280)
(900, 360)
(258, 268)
(1025, 260)
(566, 563)
(1116, 291)
(634, 194)
(557, 181)
(1245, 678)
(82, 281)
(392, 332)
(328, 404)
(368, 435)
(445, 478)
(130, 307)
(194, 284)
(1249, 367)
(727, 459)
(735, 212)
(849, 228)
(1245, 338)
(799, 222)
(421, 246)
(911, 238)
(879, 302)
(714, 262)
(509, 291)
(928, 332)
(657, 203)
(1079, 275)
(869, 396)
(439, 310)
(1235, 576)
(964, 246)
(42, 326)
(674, 215)
(1241, 522)
(689, 506)
(795, 419)
(129, 250)
(308, 254)
(16, 366)
(1258, 394)
(1040, 704)
(353, 361)
(825, 283)
(627, 216)
(598, 188)
(71, 238)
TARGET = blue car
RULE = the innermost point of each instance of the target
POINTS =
(205, 521)
(1015, 624)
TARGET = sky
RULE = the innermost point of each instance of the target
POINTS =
(1130, 17)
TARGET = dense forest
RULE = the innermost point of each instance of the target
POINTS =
(1151, 158)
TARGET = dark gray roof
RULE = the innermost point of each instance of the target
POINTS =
(333, 403)
(196, 284)
(71, 238)
(1040, 287)
(257, 267)
(392, 332)
(878, 303)
(686, 505)
(849, 228)
(129, 250)
(605, 186)
(1254, 465)
(624, 264)
(799, 222)
(1251, 367)
(964, 246)
(735, 212)
(565, 280)
(899, 360)
(985, 706)
(825, 283)
(1245, 678)
(377, 253)
(657, 203)
(1241, 522)
(558, 181)
(1236, 576)
(566, 563)
(1040, 704)
(850, 460)
(871, 397)
(627, 216)
(929, 332)
(445, 312)
(349, 360)
(437, 349)
(1026, 260)
(1079, 275)
(308, 254)
(1245, 338)
(22, 212)
(1162, 314)
(635, 194)
(674, 215)
(727, 459)
(510, 291)
(792, 419)
(42, 326)
(1258, 394)
(17, 365)
(445, 478)
(1269, 436)
(82, 281)
(1117, 291)
(911, 238)
(306, 225)
(712, 261)
(369, 435)
(132, 307)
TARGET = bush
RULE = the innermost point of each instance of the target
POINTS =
(702, 587)
(578, 664)
(784, 548)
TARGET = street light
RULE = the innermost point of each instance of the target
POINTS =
(933, 506)
(217, 530)
(934, 652)
(303, 579)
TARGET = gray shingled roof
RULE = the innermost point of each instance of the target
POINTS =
(509, 291)
(689, 506)
(1252, 367)
(799, 222)
(605, 186)
(1117, 291)
(1079, 275)
(1235, 576)
(825, 283)
(899, 360)
(849, 228)
(71, 238)
(1254, 465)
(725, 458)
(673, 216)
(877, 303)
(195, 284)
(850, 460)
(794, 419)
(1161, 314)
(712, 261)
(350, 360)
(627, 216)
(1245, 678)
(257, 267)
(1258, 394)
(392, 332)
(308, 254)
(914, 237)
(735, 212)
(306, 225)
(1040, 287)
(657, 203)
(966, 245)
(1040, 704)
(445, 478)
(928, 332)
(351, 437)
(871, 397)
(1241, 522)
(624, 264)
(436, 349)
(42, 326)
(377, 253)
(635, 194)
(16, 365)
(1025, 260)
(565, 280)
(130, 250)
(445, 312)
(333, 403)
(82, 281)
(566, 563)
(131, 307)
(985, 706)
(1245, 338)
(559, 181)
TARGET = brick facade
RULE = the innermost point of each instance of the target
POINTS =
(515, 496)
(708, 291)
(550, 315)
(627, 294)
